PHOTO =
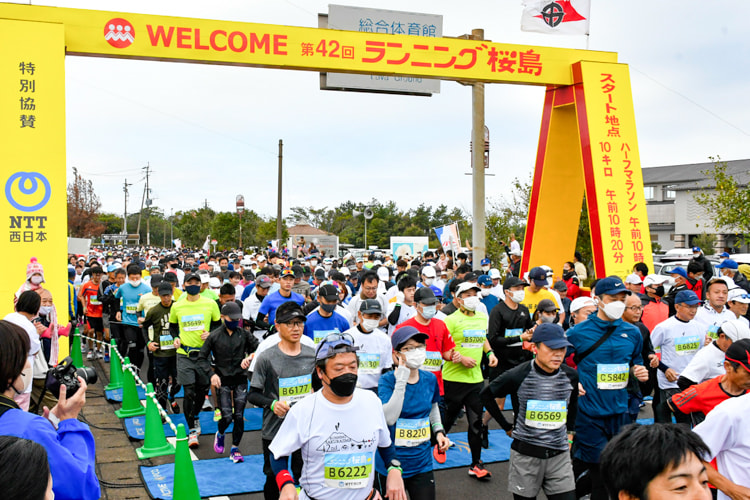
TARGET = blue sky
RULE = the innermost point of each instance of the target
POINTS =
(211, 132)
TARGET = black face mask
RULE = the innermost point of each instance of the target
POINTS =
(232, 325)
(659, 291)
(343, 386)
(567, 275)
(173, 265)
(329, 308)
(192, 289)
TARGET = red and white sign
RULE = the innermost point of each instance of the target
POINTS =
(560, 17)
(119, 33)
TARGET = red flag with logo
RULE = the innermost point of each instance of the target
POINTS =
(560, 17)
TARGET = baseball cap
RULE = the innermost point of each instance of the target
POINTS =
(560, 286)
(231, 309)
(334, 344)
(581, 302)
(739, 352)
(738, 295)
(679, 272)
(611, 285)
(547, 305)
(654, 279)
(345, 271)
(724, 255)
(686, 297)
(512, 281)
(472, 276)
(551, 335)
(263, 281)
(484, 280)
(516, 253)
(425, 295)
(383, 274)
(729, 264)
(370, 306)
(428, 272)
(735, 329)
(298, 271)
(191, 276)
(156, 281)
(290, 315)
(403, 334)
(539, 276)
(467, 285)
(328, 292)
(696, 249)
(494, 274)
(214, 282)
(485, 262)
(288, 272)
(165, 288)
(320, 273)
(633, 279)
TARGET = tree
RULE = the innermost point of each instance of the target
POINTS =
(506, 216)
(83, 208)
(728, 205)
(706, 241)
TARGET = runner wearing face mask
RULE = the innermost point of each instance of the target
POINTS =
(489, 300)
(325, 320)
(338, 430)
(463, 379)
(129, 295)
(546, 312)
(373, 346)
(607, 351)
(410, 399)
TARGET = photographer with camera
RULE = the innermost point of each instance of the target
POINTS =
(69, 443)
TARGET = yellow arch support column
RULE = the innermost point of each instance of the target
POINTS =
(588, 144)
(33, 214)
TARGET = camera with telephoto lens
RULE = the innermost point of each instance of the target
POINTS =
(65, 373)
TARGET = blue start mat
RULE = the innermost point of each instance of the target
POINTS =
(508, 406)
(136, 426)
(216, 477)
(460, 454)
(253, 421)
(116, 394)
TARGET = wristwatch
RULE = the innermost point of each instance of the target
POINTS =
(395, 464)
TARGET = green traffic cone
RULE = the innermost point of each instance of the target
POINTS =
(185, 485)
(75, 349)
(115, 368)
(154, 443)
(131, 405)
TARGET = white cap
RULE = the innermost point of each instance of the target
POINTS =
(516, 253)
(345, 271)
(494, 274)
(633, 279)
(580, 303)
(205, 278)
(377, 263)
(735, 329)
(383, 273)
(655, 279)
(428, 272)
(214, 282)
(261, 258)
(467, 285)
(738, 295)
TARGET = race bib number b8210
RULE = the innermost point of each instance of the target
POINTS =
(412, 431)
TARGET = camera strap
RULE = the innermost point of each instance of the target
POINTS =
(7, 404)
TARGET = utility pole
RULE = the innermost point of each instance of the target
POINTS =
(477, 165)
(125, 213)
(143, 200)
(148, 209)
(278, 203)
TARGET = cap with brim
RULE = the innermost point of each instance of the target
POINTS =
(335, 343)
(205, 277)
(465, 286)
(484, 280)
(425, 295)
(328, 292)
(735, 329)
(738, 295)
(729, 264)
(611, 285)
(696, 249)
(633, 279)
(724, 255)
(539, 276)
(739, 352)
(687, 297)
(485, 262)
(654, 279)
(403, 334)
(679, 272)
(290, 315)
(164, 288)
(428, 272)
(156, 281)
(193, 277)
(550, 334)
(580, 303)
(263, 281)
(546, 305)
(370, 306)
(231, 309)
(494, 274)
(512, 281)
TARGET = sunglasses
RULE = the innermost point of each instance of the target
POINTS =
(333, 344)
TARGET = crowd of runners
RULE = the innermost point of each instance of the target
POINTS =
(364, 365)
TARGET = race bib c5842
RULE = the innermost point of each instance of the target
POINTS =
(609, 377)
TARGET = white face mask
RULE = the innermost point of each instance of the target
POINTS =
(546, 319)
(471, 303)
(485, 268)
(26, 378)
(485, 292)
(313, 263)
(696, 255)
(45, 310)
(518, 296)
(327, 266)
(135, 283)
(613, 310)
(429, 281)
(415, 358)
(370, 324)
(36, 280)
(429, 312)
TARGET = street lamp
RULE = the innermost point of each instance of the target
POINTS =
(369, 214)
